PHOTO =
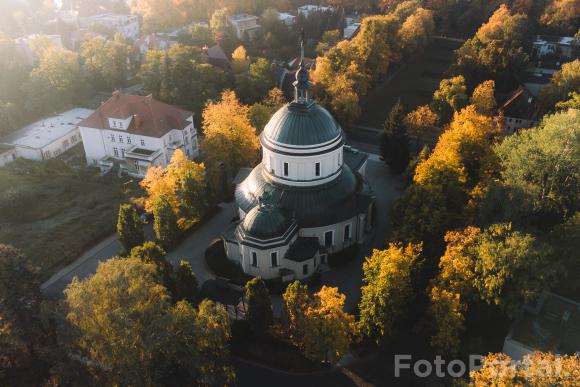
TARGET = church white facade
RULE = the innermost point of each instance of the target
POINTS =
(306, 200)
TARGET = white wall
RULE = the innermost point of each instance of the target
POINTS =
(264, 269)
(338, 233)
(302, 168)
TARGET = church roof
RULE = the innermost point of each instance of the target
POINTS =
(265, 222)
(330, 203)
(302, 125)
(303, 249)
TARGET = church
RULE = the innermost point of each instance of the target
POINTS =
(306, 200)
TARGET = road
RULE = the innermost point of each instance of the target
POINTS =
(191, 249)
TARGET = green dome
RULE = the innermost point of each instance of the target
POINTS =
(302, 125)
(265, 222)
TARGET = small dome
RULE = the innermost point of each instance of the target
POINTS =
(302, 125)
(265, 222)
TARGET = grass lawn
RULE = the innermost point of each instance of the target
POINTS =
(414, 82)
(54, 213)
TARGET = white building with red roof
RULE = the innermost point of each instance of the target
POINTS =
(132, 133)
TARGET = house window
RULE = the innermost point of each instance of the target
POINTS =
(285, 169)
(317, 169)
(347, 232)
(137, 167)
(128, 140)
(305, 269)
(328, 237)
(112, 138)
(142, 142)
(116, 152)
(122, 153)
(274, 258)
(254, 259)
(120, 139)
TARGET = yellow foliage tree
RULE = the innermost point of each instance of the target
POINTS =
(422, 122)
(328, 330)
(229, 138)
(447, 312)
(483, 98)
(182, 183)
(240, 60)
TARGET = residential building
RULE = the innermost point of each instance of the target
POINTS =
(153, 41)
(521, 110)
(126, 25)
(551, 324)
(306, 200)
(216, 56)
(310, 9)
(47, 138)
(244, 25)
(549, 45)
(288, 19)
(132, 133)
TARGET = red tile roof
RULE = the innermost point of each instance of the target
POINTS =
(150, 117)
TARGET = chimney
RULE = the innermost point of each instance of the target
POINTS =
(116, 94)
(137, 120)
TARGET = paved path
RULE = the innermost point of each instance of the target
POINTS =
(191, 249)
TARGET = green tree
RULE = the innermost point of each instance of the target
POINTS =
(254, 85)
(394, 140)
(259, 313)
(543, 163)
(449, 98)
(129, 227)
(151, 252)
(447, 310)
(186, 284)
(55, 82)
(563, 82)
(165, 221)
(387, 289)
(26, 337)
(106, 60)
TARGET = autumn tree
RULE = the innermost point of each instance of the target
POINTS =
(394, 140)
(129, 227)
(449, 98)
(159, 15)
(563, 82)
(183, 184)
(535, 369)
(328, 40)
(561, 16)
(483, 98)
(186, 284)
(259, 313)
(230, 138)
(296, 301)
(387, 289)
(498, 46)
(328, 330)
(146, 337)
(240, 60)
(417, 30)
(447, 311)
(421, 124)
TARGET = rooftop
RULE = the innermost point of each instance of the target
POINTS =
(302, 249)
(47, 130)
(562, 40)
(553, 325)
(149, 117)
(522, 104)
(242, 16)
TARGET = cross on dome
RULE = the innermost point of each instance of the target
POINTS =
(302, 85)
